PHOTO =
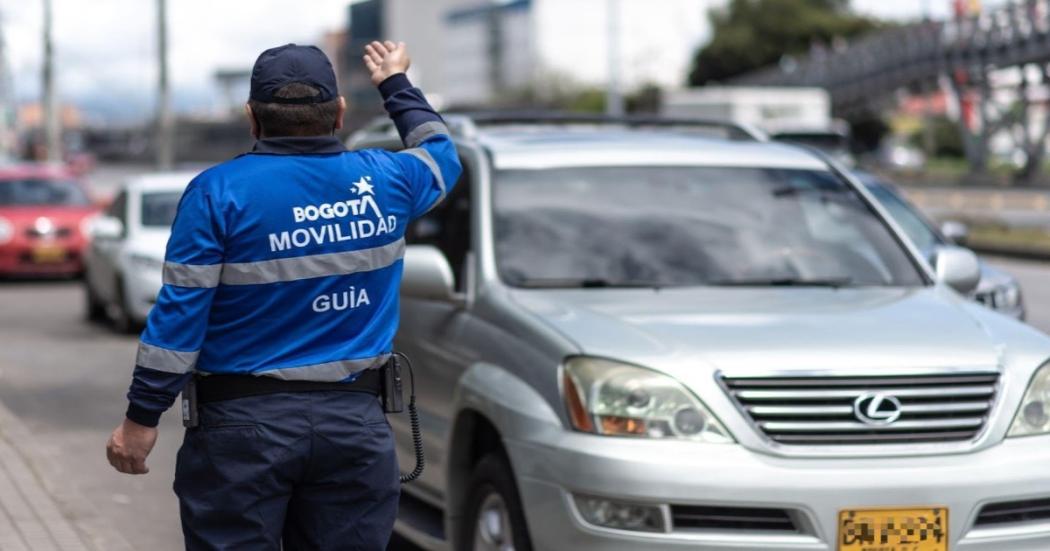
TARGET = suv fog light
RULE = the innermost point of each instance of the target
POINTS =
(621, 515)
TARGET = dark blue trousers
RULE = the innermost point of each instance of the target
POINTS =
(306, 470)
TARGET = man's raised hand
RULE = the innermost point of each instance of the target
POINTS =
(386, 59)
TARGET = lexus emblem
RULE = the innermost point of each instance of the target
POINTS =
(875, 408)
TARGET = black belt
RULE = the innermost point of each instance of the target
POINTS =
(216, 388)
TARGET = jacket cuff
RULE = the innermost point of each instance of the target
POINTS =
(143, 416)
(394, 84)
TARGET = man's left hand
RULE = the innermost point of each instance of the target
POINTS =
(129, 445)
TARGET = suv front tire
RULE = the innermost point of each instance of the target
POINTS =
(494, 520)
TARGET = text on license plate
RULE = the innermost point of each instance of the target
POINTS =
(48, 254)
(893, 529)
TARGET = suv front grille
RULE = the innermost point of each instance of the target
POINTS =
(702, 517)
(835, 410)
(1030, 510)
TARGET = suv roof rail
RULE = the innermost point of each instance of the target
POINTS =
(466, 124)
(734, 130)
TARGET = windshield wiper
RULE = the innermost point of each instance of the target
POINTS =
(585, 283)
(789, 191)
(833, 282)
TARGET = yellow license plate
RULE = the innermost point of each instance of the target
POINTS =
(47, 255)
(893, 529)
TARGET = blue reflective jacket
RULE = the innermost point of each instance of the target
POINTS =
(286, 261)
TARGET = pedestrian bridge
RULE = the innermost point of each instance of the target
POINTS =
(867, 72)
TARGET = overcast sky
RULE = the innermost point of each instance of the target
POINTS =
(106, 48)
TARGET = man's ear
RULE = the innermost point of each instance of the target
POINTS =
(252, 121)
(339, 116)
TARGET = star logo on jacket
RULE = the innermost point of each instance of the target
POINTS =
(363, 186)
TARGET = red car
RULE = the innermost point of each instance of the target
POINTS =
(44, 213)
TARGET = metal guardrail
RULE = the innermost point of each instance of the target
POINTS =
(916, 55)
(986, 201)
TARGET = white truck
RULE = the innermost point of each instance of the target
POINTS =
(796, 114)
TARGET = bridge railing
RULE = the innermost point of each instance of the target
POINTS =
(915, 55)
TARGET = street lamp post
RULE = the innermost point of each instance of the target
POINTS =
(52, 122)
(613, 95)
(165, 121)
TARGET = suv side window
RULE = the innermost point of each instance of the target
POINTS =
(448, 227)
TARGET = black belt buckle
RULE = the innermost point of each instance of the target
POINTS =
(190, 419)
(393, 391)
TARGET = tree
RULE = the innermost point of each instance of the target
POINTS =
(751, 34)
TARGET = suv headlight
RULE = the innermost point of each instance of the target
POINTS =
(615, 399)
(1033, 417)
(1007, 296)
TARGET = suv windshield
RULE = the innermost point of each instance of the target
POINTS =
(36, 192)
(686, 226)
(158, 209)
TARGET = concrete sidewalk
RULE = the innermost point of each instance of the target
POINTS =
(39, 510)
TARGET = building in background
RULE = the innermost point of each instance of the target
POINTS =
(543, 46)
(29, 119)
(490, 52)
(479, 53)
(333, 44)
(365, 24)
(419, 22)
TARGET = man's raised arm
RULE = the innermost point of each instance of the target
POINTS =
(430, 160)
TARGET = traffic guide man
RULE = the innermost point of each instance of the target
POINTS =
(280, 301)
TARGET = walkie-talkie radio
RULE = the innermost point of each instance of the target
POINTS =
(190, 419)
(393, 390)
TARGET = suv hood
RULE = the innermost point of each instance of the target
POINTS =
(746, 331)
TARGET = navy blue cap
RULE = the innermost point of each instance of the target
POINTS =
(290, 64)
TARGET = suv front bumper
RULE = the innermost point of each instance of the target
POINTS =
(551, 469)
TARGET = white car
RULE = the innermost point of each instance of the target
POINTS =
(124, 264)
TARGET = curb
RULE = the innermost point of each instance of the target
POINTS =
(88, 529)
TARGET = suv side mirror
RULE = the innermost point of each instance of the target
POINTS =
(955, 231)
(958, 268)
(427, 275)
(106, 227)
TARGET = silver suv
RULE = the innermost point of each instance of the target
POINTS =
(629, 336)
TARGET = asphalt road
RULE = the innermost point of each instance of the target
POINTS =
(66, 380)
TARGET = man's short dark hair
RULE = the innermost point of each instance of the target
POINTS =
(295, 119)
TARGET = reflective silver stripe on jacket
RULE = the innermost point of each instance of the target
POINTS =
(163, 359)
(424, 155)
(192, 275)
(317, 265)
(326, 372)
(424, 132)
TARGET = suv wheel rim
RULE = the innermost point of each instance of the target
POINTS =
(493, 530)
